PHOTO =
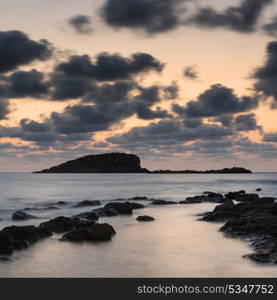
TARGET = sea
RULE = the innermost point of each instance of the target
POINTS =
(176, 244)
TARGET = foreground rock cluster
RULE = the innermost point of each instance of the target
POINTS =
(244, 215)
(77, 228)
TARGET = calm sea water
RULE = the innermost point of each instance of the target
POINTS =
(175, 245)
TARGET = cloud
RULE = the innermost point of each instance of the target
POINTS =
(81, 24)
(271, 27)
(191, 72)
(4, 108)
(17, 49)
(109, 67)
(266, 75)
(217, 100)
(150, 16)
(270, 137)
(246, 122)
(242, 18)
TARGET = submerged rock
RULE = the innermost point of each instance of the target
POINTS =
(97, 232)
(58, 225)
(247, 197)
(138, 198)
(145, 219)
(88, 203)
(208, 197)
(105, 212)
(21, 215)
(163, 202)
(234, 195)
(125, 208)
(258, 190)
(91, 216)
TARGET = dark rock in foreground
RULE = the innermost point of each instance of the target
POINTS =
(18, 238)
(102, 163)
(163, 202)
(145, 219)
(21, 215)
(252, 217)
(90, 216)
(86, 203)
(208, 197)
(58, 225)
(125, 208)
(97, 232)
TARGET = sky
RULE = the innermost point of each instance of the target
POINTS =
(184, 84)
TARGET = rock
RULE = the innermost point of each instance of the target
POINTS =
(62, 203)
(58, 225)
(51, 207)
(105, 212)
(220, 213)
(124, 208)
(259, 257)
(97, 232)
(21, 215)
(234, 195)
(88, 203)
(139, 198)
(136, 205)
(258, 190)
(100, 163)
(266, 200)
(210, 197)
(91, 216)
(145, 219)
(18, 238)
(247, 197)
(163, 202)
(6, 243)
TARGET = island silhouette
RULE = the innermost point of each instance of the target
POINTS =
(123, 163)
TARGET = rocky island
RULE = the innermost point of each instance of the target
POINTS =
(123, 163)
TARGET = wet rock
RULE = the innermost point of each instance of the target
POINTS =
(58, 225)
(220, 213)
(88, 203)
(62, 203)
(105, 212)
(234, 195)
(266, 200)
(21, 215)
(258, 190)
(51, 207)
(124, 208)
(260, 257)
(18, 238)
(91, 216)
(145, 219)
(97, 232)
(138, 198)
(136, 205)
(247, 197)
(210, 197)
(163, 202)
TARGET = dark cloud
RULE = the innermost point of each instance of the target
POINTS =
(271, 27)
(266, 75)
(4, 108)
(151, 16)
(23, 84)
(82, 24)
(217, 100)
(33, 126)
(65, 87)
(17, 49)
(169, 132)
(270, 137)
(246, 122)
(242, 18)
(110, 67)
(191, 72)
